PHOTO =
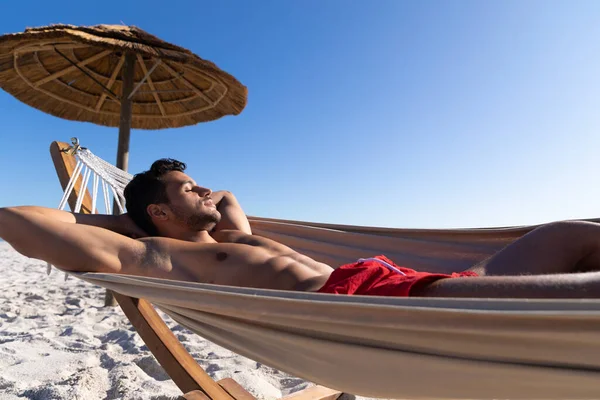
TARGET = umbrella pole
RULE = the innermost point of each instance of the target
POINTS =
(124, 135)
(126, 111)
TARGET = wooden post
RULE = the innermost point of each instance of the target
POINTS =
(124, 135)
(126, 111)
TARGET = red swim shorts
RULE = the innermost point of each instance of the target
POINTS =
(379, 276)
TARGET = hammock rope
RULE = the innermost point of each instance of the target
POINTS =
(113, 180)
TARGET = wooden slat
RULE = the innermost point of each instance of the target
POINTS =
(195, 395)
(314, 393)
(188, 83)
(46, 47)
(72, 68)
(235, 390)
(65, 165)
(111, 81)
(151, 84)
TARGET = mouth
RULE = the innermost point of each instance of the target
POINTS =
(209, 203)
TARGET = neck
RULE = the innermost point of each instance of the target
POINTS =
(188, 236)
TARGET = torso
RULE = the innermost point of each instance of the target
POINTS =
(239, 259)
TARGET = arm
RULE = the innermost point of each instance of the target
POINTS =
(84, 248)
(232, 215)
(117, 223)
(53, 236)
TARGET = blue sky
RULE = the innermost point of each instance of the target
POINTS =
(390, 113)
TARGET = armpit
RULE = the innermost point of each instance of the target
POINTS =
(155, 257)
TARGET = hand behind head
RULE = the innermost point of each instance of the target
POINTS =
(129, 228)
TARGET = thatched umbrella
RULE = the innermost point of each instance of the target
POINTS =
(115, 75)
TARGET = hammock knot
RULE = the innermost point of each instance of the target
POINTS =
(74, 148)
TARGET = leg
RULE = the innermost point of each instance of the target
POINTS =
(558, 260)
(577, 285)
(557, 248)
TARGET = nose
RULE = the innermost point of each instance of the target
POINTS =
(202, 191)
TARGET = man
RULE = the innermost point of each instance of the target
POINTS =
(200, 236)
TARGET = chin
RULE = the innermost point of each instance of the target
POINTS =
(216, 218)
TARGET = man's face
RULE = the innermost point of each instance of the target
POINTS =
(189, 203)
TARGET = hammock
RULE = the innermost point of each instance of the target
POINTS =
(381, 346)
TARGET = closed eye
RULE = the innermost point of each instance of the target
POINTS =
(188, 188)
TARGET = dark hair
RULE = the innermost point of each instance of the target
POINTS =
(148, 188)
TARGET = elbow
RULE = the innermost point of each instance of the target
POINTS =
(5, 214)
(7, 210)
(10, 219)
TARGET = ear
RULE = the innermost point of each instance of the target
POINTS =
(156, 211)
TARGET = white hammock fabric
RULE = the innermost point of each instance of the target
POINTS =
(388, 347)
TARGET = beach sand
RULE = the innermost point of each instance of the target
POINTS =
(57, 341)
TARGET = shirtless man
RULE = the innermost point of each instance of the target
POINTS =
(186, 232)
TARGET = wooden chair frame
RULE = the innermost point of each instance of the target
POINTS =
(191, 379)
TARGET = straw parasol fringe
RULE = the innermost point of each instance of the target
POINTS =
(75, 73)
